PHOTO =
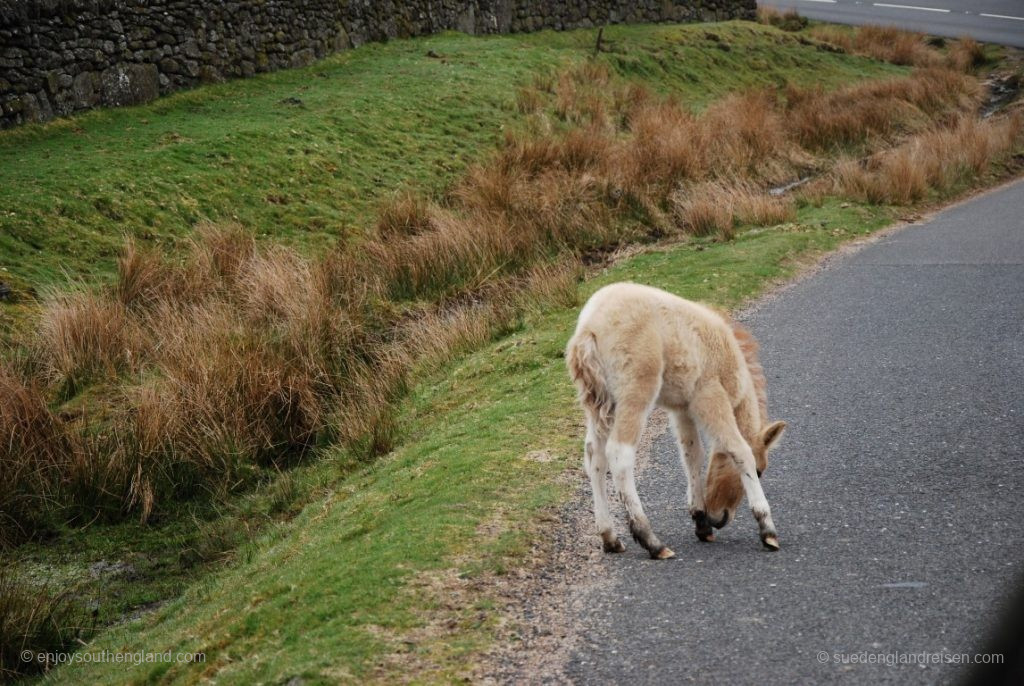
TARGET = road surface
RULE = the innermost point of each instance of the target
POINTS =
(898, 490)
(990, 21)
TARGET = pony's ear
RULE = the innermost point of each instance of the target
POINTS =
(772, 433)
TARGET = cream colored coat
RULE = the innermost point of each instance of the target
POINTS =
(636, 347)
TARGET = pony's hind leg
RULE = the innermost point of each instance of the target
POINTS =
(714, 413)
(621, 450)
(595, 462)
(691, 455)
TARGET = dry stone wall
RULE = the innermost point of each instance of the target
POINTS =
(61, 56)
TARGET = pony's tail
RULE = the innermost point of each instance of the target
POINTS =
(588, 375)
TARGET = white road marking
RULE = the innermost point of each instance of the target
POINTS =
(830, 2)
(910, 7)
(1000, 16)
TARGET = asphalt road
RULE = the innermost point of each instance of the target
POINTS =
(898, 490)
(990, 21)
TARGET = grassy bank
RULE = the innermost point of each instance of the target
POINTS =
(204, 368)
(306, 155)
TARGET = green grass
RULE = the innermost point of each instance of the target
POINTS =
(159, 561)
(360, 574)
(306, 155)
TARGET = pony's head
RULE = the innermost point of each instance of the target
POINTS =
(724, 488)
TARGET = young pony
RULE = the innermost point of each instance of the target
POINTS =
(636, 347)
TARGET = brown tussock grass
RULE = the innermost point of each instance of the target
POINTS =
(33, 452)
(884, 43)
(742, 135)
(898, 46)
(266, 356)
(966, 54)
(529, 100)
(84, 335)
(757, 208)
(580, 94)
(142, 277)
(854, 114)
(35, 617)
(746, 134)
(701, 214)
(667, 146)
(937, 159)
(894, 45)
(405, 214)
(788, 20)
(717, 207)
(216, 254)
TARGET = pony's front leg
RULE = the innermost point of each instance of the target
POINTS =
(691, 455)
(714, 413)
(744, 459)
(621, 451)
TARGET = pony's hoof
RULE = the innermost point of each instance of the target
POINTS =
(703, 526)
(663, 554)
(615, 546)
(770, 542)
(721, 522)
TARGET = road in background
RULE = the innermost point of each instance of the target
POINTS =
(990, 21)
(898, 490)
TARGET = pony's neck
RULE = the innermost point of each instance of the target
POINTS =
(748, 419)
(748, 346)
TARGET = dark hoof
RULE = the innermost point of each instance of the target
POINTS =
(703, 527)
(721, 522)
(614, 546)
(645, 537)
(770, 541)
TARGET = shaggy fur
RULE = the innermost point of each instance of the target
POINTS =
(636, 347)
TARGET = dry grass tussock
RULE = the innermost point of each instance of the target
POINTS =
(85, 336)
(789, 20)
(33, 449)
(237, 356)
(907, 48)
(253, 358)
(717, 207)
(966, 54)
(884, 43)
(854, 115)
(940, 159)
(33, 617)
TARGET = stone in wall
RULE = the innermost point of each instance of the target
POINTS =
(129, 84)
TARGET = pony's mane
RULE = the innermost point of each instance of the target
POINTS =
(749, 347)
